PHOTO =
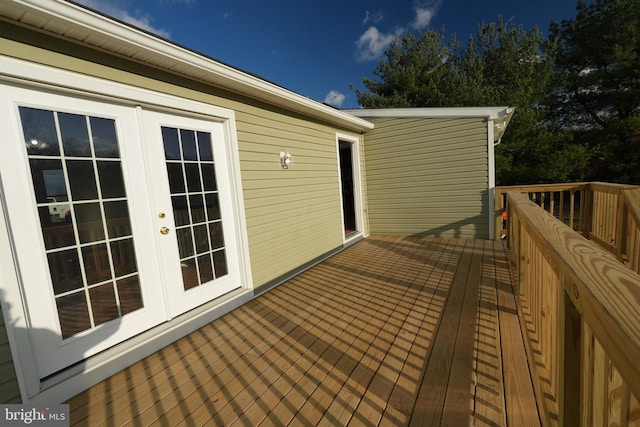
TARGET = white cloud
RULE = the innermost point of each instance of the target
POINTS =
(424, 14)
(142, 21)
(373, 18)
(227, 15)
(334, 98)
(372, 44)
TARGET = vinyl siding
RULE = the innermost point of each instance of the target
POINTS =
(428, 176)
(9, 389)
(293, 216)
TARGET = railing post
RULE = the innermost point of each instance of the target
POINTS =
(498, 207)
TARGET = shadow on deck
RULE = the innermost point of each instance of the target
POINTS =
(391, 331)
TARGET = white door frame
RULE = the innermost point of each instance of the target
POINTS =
(22, 73)
(357, 184)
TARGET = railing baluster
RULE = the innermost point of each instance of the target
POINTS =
(571, 208)
(561, 210)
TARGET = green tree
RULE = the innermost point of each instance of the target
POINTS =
(596, 91)
(502, 65)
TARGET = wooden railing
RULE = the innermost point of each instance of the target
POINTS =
(608, 214)
(579, 310)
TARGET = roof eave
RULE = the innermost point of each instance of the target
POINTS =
(71, 21)
(499, 115)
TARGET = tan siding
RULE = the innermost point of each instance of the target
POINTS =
(293, 216)
(9, 390)
(428, 176)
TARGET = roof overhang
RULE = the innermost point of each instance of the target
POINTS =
(76, 23)
(499, 115)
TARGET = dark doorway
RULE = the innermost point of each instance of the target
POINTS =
(348, 193)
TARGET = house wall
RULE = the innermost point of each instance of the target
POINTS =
(293, 216)
(428, 176)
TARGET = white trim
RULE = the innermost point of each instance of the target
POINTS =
(491, 170)
(357, 184)
(80, 24)
(14, 312)
(454, 112)
(61, 387)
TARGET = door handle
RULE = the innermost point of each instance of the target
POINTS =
(164, 230)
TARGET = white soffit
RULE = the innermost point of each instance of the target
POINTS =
(72, 22)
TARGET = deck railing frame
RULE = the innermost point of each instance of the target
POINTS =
(608, 214)
(579, 308)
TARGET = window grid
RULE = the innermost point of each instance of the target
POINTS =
(96, 296)
(195, 201)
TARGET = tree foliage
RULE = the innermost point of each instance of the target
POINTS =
(576, 93)
(596, 89)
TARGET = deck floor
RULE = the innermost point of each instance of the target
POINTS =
(391, 331)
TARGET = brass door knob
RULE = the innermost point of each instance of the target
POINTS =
(164, 230)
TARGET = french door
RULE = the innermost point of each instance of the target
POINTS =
(121, 219)
(193, 198)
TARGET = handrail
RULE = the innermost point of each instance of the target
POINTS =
(608, 214)
(580, 311)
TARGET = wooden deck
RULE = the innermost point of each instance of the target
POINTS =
(391, 331)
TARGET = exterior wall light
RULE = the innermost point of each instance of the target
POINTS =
(285, 159)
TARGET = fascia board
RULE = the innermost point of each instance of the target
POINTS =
(160, 53)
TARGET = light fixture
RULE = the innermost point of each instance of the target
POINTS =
(285, 159)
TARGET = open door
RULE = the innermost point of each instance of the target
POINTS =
(350, 188)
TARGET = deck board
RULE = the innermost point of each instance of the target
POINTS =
(391, 331)
(489, 403)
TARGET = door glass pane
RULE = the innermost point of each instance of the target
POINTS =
(90, 224)
(55, 221)
(75, 137)
(73, 313)
(196, 208)
(111, 181)
(82, 179)
(84, 218)
(105, 142)
(117, 216)
(39, 130)
(103, 303)
(188, 140)
(180, 210)
(204, 147)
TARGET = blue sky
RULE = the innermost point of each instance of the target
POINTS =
(318, 49)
